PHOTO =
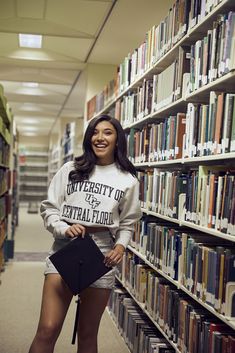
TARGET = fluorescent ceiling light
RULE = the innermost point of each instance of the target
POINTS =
(28, 128)
(26, 133)
(31, 107)
(30, 84)
(30, 40)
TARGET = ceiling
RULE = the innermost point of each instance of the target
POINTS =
(74, 34)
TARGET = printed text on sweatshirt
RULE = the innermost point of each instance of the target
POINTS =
(110, 198)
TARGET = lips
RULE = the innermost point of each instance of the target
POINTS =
(100, 146)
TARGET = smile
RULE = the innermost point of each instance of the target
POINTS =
(100, 146)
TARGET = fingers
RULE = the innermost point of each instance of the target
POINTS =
(113, 257)
(75, 230)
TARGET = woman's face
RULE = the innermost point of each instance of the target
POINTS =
(103, 142)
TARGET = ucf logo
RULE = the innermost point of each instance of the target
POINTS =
(93, 202)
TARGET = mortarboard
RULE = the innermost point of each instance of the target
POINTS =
(80, 263)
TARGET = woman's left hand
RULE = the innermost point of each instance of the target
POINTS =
(113, 257)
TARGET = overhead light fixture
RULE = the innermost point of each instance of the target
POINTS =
(30, 40)
(30, 84)
(30, 107)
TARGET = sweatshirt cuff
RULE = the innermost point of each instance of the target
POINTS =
(123, 238)
(60, 229)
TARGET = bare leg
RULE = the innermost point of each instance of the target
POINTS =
(93, 303)
(56, 298)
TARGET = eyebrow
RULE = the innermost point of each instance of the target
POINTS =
(106, 129)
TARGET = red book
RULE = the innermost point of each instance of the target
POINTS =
(180, 131)
(219, 328)
(231, 344)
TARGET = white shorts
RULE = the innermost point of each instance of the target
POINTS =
(105, 243)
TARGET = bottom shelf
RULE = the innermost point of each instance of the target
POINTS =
(138, 332)
(174, 315)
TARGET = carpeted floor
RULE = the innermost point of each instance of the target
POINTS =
(20, 296)
(30, 256)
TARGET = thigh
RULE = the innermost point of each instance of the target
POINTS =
(93, 303)
(56, 298)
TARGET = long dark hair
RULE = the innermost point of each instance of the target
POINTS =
(84, 164)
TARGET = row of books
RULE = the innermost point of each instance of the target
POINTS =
(155, 93)
(183, 320)
(4, 131)
(67, 142)
(214, 55)
(4, 151)
(210, 199)
(107, 95)
(205, 197)
(55, 153)
(2, 208)
(198, 10)
(2, 234)
(206, 129)
(210, 129)
(34, 168)
(160, 39)
(4, 180)
(197, 262)
(68, 146)
(171, 84)
(157, 141)
(138, 331)
(136, 104)
(163, 192)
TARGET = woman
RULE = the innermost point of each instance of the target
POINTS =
(96, 194)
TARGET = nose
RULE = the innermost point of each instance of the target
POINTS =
(100, 136)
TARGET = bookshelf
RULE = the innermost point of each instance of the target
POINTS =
(201, 210)
(54, 161)
(33, 173)
(65, 144)
(8, 197)
(68, 142)
(229, 322)
(158, 65)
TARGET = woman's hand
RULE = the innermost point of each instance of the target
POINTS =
(76, 230)
(113, 257)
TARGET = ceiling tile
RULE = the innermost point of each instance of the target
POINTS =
(83, 16)
(31, 9)
(28, 74)
(73, 49)
(7, 9)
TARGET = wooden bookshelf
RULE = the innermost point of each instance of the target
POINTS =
(33, 172)
(193, 34)
(223, 318)
(224, 83)
(148, 315)
(8, 194)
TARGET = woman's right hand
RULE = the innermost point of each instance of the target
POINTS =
(76, 230)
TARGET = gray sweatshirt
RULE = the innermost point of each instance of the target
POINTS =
(110, 198)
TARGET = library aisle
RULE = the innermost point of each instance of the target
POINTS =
(21, 295)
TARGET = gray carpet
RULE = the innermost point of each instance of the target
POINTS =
(30, 256)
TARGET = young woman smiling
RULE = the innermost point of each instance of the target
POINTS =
(96, 194)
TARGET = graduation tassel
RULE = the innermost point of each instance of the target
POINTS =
(78, 301)
(76, 320)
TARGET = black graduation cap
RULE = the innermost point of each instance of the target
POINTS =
(80, 263)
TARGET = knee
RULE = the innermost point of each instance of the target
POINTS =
(48, 333)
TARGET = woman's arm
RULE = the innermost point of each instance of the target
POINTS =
(50, 208)
(130, 213)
